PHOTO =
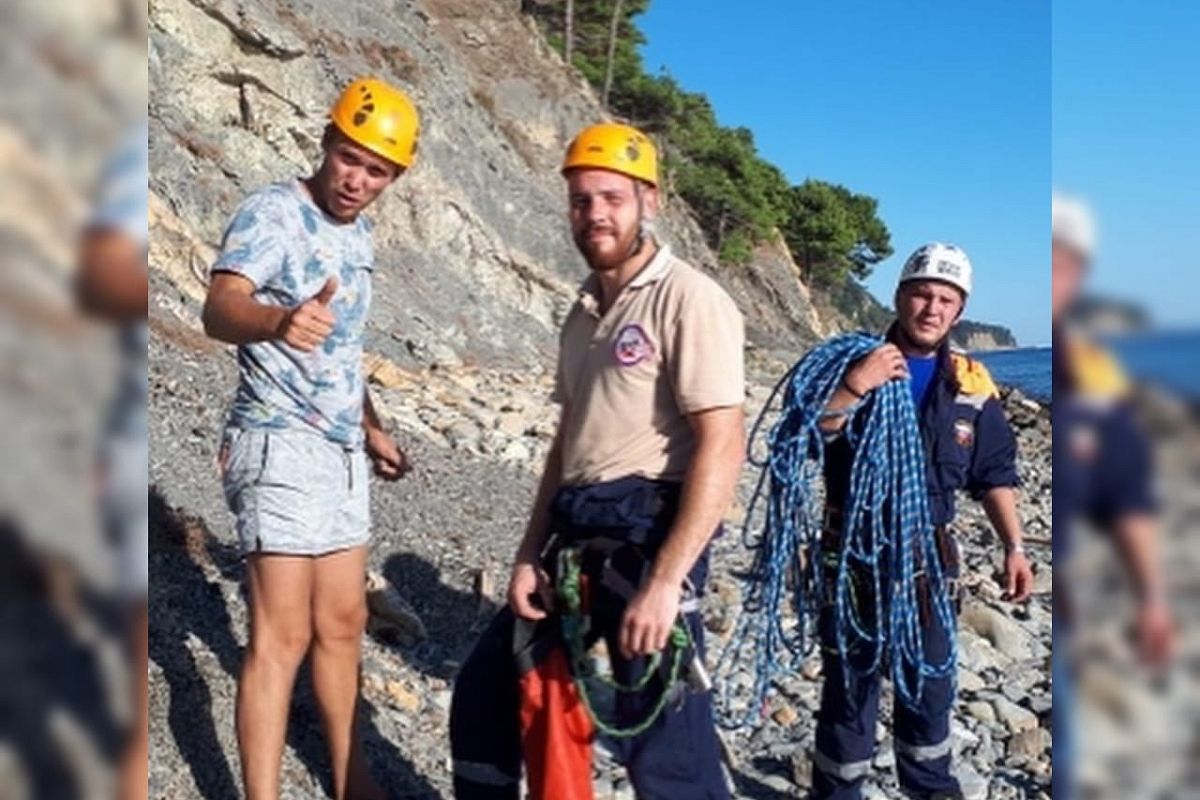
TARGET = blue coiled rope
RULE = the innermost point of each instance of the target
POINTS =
(886, 523)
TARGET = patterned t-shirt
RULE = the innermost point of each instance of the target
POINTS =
(282, 241)
(122, 204)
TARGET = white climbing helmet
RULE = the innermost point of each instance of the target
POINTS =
(1072, 224)
(939, 262)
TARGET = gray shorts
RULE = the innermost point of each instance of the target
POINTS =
(295, 492)
(123, 502)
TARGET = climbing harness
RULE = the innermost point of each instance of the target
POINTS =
(886, 543)
(571, 588)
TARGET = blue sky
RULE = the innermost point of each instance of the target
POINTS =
(939, 109)
(1127, 138)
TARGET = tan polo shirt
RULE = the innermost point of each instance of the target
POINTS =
(670, 345)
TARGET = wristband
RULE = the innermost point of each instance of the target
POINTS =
(1016, 548)
(846, 386)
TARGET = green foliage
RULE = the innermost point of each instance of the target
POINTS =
(591, 29)
(857, 306)
(834, 233)
(738, 197)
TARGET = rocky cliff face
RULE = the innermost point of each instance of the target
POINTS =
(476, 261)
(71, 73)
(981, 336)
(1101, 315)
(72, 79)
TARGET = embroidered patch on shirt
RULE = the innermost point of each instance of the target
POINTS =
(632, 346)
(964, 432)
(1084, 442)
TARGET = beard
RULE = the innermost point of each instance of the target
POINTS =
(609, 252)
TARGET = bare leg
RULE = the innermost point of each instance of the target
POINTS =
(339, 610)
(134, 775)
(281, 590)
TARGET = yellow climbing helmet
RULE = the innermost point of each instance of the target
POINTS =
(379, 117)
(615, 147)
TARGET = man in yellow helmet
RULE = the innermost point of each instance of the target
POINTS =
(112, 286)
(292, 289)
(649, 445)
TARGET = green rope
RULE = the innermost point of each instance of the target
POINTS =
(583, 666)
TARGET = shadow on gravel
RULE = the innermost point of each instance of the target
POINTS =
(1023, 785)
(187, 564)
(47, 670)
(753, 789)
(393, 771)
(185, 602)
(453, 618)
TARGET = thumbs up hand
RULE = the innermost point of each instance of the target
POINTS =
(307, 325)
(327, 291)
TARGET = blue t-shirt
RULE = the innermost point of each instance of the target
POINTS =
(921, 371)
(282, 241)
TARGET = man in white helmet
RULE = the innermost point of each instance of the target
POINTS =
(968, 445)
(1102, 472)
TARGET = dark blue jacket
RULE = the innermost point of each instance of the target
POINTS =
(1102, 463)
(968, 442)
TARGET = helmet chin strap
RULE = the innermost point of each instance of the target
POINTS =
(637, 244)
